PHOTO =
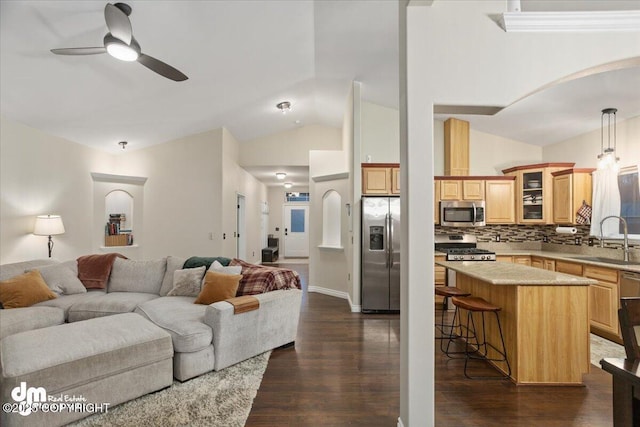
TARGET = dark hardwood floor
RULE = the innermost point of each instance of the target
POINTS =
(344, 370)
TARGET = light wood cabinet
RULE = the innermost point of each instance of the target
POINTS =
(534, 191)
(569, 268)
(504, 258)
(604, 302)
(500, 205)
(450, 189)
(380, 178)
(436, 202)
(440, 277)
(544, 263)
(456, 147)
(472, 190)
(522, 260)
(570, 188)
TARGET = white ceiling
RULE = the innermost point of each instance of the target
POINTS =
(242, 58)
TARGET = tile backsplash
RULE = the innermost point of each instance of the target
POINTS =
(531, 233)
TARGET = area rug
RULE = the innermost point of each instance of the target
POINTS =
(221, 398)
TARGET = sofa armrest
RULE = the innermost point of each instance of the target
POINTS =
(237, 337)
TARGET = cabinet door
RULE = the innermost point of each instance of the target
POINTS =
(563, 199)
(549, 264)
(522, 260)
(395, 180)
(436, 202)
(450, 190)
(603, 306)
(376, 180)
(472, 190)
(532, 201)
(500, 202)
(537, 262)
(440, 278)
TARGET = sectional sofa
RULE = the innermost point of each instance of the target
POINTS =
(202, 337)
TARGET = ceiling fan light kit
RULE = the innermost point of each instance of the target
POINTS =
(120, 44)
(284, 107)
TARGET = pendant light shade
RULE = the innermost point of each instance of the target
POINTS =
(607, 157)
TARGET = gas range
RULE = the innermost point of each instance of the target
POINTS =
(462, 247)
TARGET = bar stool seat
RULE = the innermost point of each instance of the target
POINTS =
(479, 350)
(448, 292)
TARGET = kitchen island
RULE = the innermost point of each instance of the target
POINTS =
(544, 316)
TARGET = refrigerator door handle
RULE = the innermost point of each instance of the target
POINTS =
(390, 242)
(388, 237)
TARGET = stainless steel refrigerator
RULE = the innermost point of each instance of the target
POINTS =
(380, 276)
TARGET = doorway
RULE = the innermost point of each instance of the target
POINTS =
(296, 231)
(241, 244)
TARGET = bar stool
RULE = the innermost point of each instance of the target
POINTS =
(482, 306)
(449, 292)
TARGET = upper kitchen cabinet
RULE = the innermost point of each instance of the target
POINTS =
(500, 196)
(456, 147)
(380, 178)
(571, 187)
(459, 188)
(534, 191)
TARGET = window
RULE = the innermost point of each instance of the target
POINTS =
(291, 196)
(629, 186)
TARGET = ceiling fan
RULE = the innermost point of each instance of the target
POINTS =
(120, 43)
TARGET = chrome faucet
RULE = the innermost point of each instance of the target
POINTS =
(626, 235)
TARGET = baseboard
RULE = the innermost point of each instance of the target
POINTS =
(400, 422)
(337, 294)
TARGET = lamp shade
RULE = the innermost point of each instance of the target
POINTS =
(48, 225)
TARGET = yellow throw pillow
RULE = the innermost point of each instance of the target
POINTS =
(24, 290)
(218, 287)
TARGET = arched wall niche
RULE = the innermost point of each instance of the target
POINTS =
(332, 219)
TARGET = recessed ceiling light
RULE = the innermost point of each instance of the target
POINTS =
(281, 175)
(284, 106)
(288, 185)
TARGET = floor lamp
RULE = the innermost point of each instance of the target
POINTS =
(48, 225)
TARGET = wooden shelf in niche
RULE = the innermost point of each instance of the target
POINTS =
(116, 240)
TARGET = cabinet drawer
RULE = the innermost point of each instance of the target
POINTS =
(504, 258)
(599, 273)
(569, 268)
(440, 275)
(522, 260)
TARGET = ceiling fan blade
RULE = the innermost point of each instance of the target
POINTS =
(118, 23)
(79, 50)
(161, 68)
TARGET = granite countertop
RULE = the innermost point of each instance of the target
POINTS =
(615, 264)
(504, 273)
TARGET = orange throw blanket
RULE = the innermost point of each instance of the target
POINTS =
(94, 270)
(243, 304)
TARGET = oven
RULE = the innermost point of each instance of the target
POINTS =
(462, 213)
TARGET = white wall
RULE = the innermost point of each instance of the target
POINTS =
(41, 174)
(457, 55)
(290, 147)
(584, 149)
(380, 134)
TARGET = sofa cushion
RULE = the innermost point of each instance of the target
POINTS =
(65, 302)
(183, 319)
(24, 290)
(94, 270)
(218, 287)
(137, 276)
(61, 279)
(187, 282)
(7, 271)
(173, 264)
(28, 318)
(108, 304)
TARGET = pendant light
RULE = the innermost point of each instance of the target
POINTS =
(607, 157)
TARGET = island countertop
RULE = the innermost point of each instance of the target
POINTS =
(503, 273)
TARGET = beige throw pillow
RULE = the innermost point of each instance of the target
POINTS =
(187, 282)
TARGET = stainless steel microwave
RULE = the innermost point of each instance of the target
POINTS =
(462, 213)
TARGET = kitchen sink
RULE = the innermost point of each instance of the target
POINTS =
(606, 260)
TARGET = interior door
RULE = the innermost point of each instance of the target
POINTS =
(241, 243)
(296, 231)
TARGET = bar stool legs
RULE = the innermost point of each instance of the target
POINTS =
(448, 292)
(474, 349)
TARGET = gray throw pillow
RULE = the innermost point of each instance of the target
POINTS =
(61, 279)
(137, 276)
(187, 282)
